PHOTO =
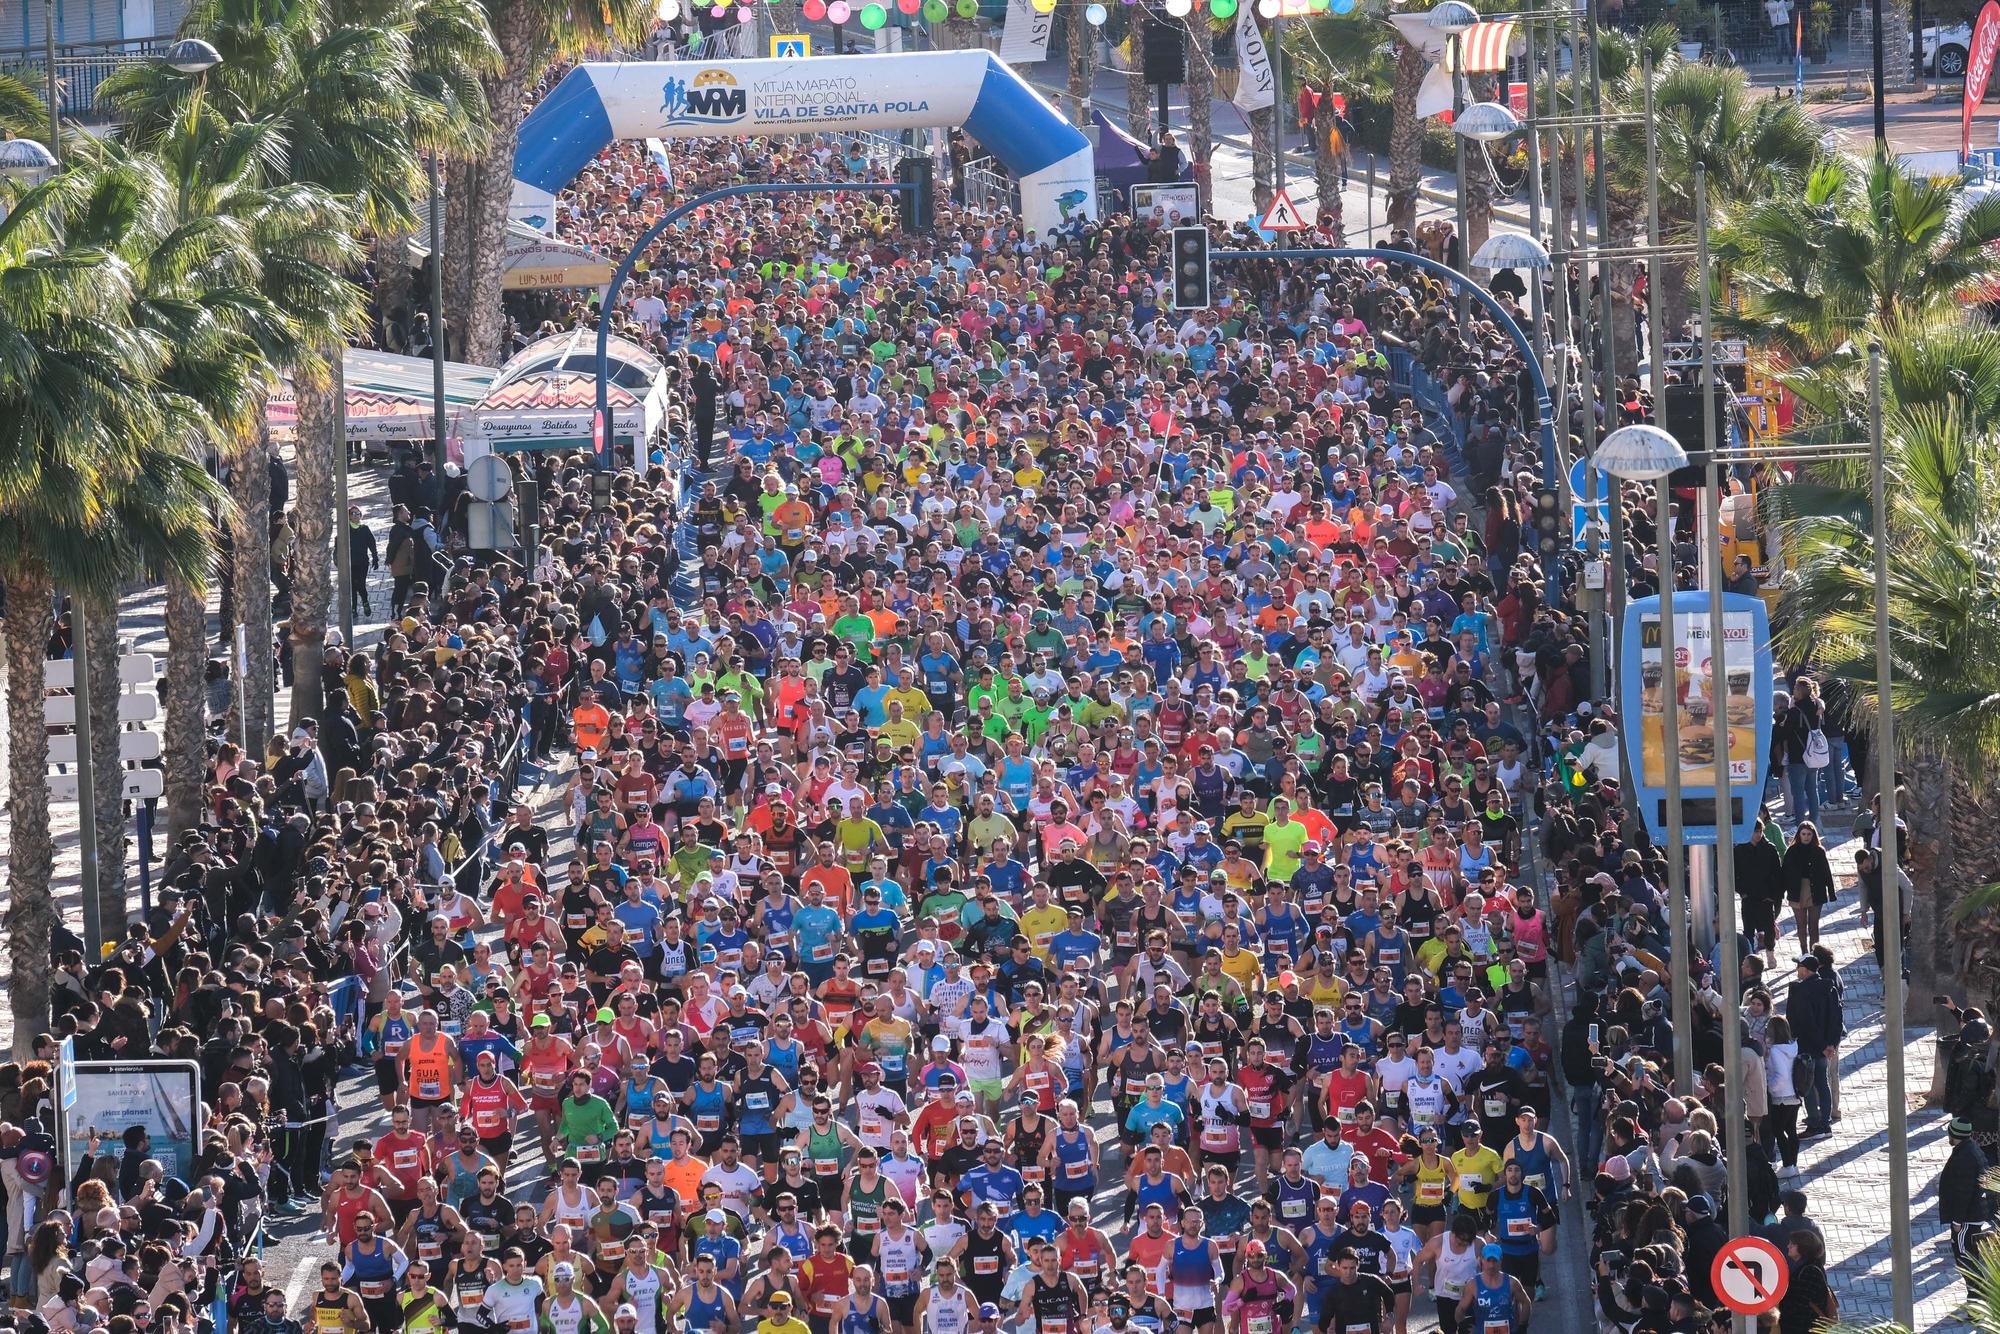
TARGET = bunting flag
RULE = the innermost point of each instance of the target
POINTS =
(1024, 40)
(1256, 82)
(1483, 47)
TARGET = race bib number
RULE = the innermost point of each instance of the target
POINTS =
(1430, 1192)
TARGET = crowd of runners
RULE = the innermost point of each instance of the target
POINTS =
(1074, 815)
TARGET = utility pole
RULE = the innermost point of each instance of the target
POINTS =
(86, 789)
(437, 316)
(1729, 962)
(1881, 107)
(343, 562)
(55, 101)
(1894, 989)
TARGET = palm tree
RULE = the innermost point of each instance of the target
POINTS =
(23, 114)
(1138, 111)
(1942, 434)
(1266, 125)
(348, 105)
(1082, 38)
(235, 271)
(75, 407)
(1348, 54)
(528, 34)
(1406, 135)
(1863, 251)
(1201, 99)
(1753, 147)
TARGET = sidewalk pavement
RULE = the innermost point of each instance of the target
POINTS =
(1846, 1174)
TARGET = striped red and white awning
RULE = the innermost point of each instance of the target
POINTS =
(1483, 46)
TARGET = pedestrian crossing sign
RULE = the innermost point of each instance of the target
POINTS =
(1283, 215)
(791, 45)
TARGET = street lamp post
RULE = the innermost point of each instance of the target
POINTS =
(1452, 18)
(1894, 989)
(1642, 453)
(1729, 965)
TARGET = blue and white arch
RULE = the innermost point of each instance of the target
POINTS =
(597, 104)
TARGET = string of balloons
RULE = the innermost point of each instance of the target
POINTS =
(874, 14)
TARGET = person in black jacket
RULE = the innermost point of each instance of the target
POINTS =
(1808, 882)
(1962, 1200)
(1581, 1073)
(1814, 1011)
(1760, 885)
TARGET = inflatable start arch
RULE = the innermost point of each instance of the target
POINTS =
(597, 104)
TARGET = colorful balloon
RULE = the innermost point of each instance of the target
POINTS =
(838, 12)
(1096, 15)
(873, 16)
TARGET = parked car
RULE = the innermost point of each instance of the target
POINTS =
(1945, 50)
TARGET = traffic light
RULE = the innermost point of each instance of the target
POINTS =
(915, 207)
(1190, 246)
(1551, 521)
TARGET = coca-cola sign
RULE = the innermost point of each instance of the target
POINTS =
(1979, 67)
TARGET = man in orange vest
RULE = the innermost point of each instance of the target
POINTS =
(590, 722)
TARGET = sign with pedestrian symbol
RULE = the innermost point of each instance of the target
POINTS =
(1749, 1276)
(791, 45)
(1585, 510)
(1283, 215)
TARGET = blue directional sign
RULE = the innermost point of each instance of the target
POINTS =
(1584, 509)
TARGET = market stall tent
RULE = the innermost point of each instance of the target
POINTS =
(545, 398)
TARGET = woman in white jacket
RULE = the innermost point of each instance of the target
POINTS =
(1782, 1122)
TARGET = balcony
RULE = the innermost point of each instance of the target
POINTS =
(81, 68)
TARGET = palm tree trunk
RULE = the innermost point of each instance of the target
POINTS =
(959, 34)
(1138, 93)
(250, 486)
(1264, 156)
(317, 454)
(1626, 220)
(31, 909)
(461, 201)
(394, 288)
(1406, 137)
(102, 644)
(1082, 62)
(507, 102)
(1201, 104)
(1326, 164)
(1478, 200)
(184, 697)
